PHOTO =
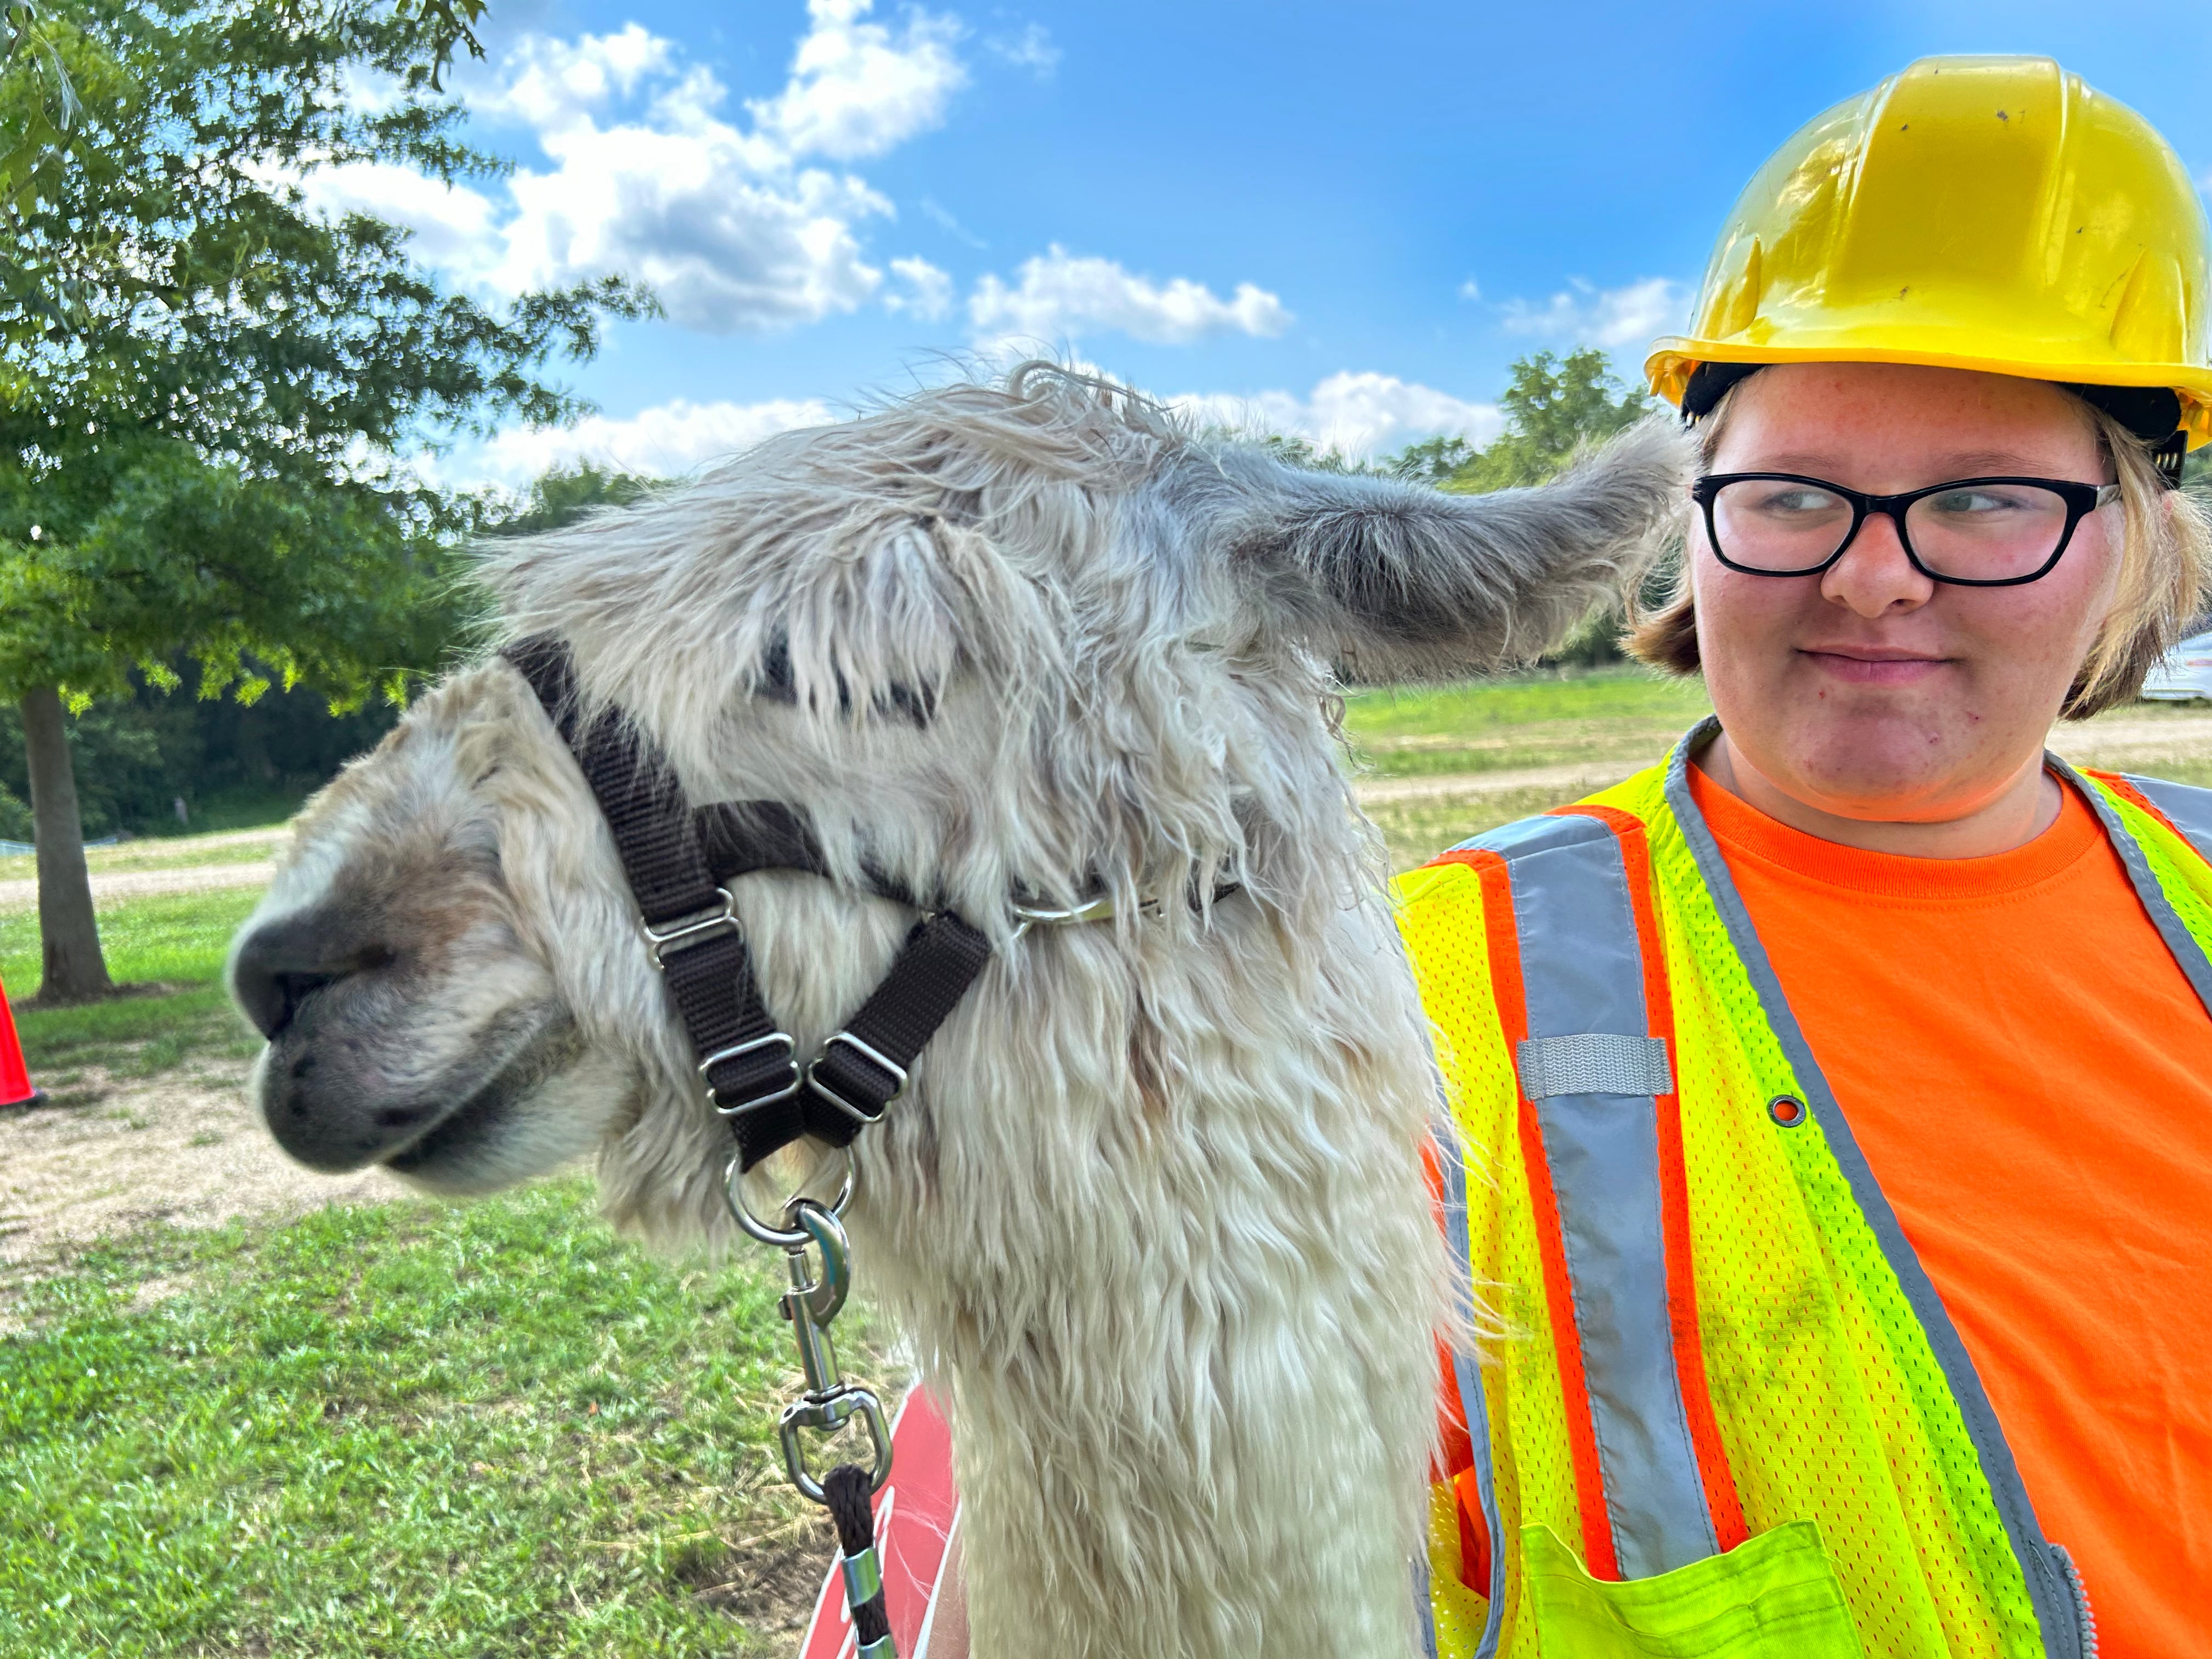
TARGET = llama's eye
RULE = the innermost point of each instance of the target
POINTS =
(919, 705)
(774, 681)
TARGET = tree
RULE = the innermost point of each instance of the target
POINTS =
(561, 494)
(204, 382)
(1432, 461)
(1554, 406)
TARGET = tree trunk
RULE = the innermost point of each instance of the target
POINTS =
(74, 970)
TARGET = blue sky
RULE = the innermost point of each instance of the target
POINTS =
(1345, 220)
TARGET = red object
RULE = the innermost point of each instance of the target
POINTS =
(916, 1516)
(15, 1088)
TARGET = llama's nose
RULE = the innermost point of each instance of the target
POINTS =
(281, 964)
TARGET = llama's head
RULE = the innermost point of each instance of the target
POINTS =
(992, 641)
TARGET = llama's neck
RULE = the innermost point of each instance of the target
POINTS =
(1161, 1235)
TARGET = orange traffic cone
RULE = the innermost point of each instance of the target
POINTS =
(15, 1088)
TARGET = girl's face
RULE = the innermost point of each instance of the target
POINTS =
(1871, 691)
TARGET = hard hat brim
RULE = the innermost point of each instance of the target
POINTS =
(1674, 357)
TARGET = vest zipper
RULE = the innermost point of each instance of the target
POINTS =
(2085, 1617)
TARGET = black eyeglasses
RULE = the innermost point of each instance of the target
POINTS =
(1974, 533)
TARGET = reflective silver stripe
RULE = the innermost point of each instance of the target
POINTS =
(2054, 1602)
(1467, 1376)
(2188, 810)
(1582, 969)
(1593, 1063)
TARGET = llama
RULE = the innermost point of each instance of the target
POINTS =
(1151, 1209)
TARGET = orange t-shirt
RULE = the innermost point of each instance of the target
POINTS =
(2030, 1077)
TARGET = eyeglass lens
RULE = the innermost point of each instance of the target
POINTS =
(1981, 532)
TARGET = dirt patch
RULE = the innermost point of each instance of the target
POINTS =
(114, 1154)
(109, 887)
(1579, 778)
(2126, 741)
(771, 1583)
(2113, 743)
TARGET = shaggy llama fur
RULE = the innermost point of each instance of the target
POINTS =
(1152, 1207)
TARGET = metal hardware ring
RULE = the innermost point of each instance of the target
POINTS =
(833, 1414)
(782, 1238)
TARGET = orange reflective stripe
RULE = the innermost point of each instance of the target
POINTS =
(1503, 941)
(1723, 1502)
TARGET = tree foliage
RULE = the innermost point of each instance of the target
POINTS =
(209, 385)
(1552, 407)
(203, 380)
(564, 493)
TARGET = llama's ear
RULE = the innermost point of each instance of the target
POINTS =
(1396, 581)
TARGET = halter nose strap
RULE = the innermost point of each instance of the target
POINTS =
(677, 860)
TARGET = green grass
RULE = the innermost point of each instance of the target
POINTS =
(394, 1430)
(1621, 718)
(1519, 721)
(173, 939)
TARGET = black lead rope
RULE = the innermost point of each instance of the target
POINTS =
(677, 860)
(847, 1491)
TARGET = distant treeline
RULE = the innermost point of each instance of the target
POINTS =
(230, 764)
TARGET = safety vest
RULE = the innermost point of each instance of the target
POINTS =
(1713, 1404)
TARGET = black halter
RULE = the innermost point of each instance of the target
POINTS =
(678, 858)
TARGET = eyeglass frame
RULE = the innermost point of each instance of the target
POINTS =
(2082, 500)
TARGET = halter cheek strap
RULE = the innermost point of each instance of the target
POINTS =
(677, 860)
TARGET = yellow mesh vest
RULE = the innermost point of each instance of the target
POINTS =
(1845, 1437)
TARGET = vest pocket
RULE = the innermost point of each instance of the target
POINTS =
(1775, 1593)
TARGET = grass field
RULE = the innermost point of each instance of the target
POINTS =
(162, 853)
(1437, 765)
(399, 1430)
(175, 940)
(1524, 721)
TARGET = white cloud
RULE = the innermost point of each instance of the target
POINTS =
(1611, 318)
(646, 176)
(666, 441)
(1031, 49)
(1062, 295)
(856, 90)
(1361, 414)
(1470, 289)
(931, 295)
(550, 85)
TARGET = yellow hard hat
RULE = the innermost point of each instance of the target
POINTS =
(1982, 213)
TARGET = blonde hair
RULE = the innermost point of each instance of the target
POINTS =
(2166, 568)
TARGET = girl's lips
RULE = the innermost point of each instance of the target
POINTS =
(1873, 670)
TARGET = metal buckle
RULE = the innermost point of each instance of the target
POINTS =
(1037, 915)
(831, 1413)
(690, 930)
(790, 1060)
(882, 1063)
